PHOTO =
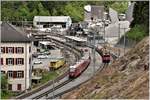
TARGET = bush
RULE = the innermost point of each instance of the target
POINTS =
(137, 33)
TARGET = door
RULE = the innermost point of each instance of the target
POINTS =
(19, 87)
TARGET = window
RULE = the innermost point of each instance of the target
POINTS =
(9, 61)
(29, 49)
(2, 72)
(15, 74)
(1, 61)
(2, 49)
(9, 49)
(19, 61)
(30, 60)
(18, 86)
(19, 50)
(10, 74)
(9, 86)
(20, 74)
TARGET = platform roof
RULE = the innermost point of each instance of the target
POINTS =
(76, 38)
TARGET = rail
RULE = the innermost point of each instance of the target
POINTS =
(50, 82)
(61, 77)
(100, 69)
(66, 82)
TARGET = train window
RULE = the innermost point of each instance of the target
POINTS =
(53, 63)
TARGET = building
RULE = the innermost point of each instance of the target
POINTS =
(16, 57)
(48, 21)
(92, 11)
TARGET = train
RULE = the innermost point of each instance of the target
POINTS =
(105, 54)
(57, 63)
(80, 66)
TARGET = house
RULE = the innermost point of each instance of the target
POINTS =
(16, 57)
(49, 21)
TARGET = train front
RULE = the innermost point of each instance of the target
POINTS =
(72, 71)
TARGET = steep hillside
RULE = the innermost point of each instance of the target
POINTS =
(125, 78)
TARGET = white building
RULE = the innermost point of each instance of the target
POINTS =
(45, 21)
(93, 12)
(16, 57)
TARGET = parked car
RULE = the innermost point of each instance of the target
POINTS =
(35, 55)
(44, 29)
(42, 57)
(38, 62)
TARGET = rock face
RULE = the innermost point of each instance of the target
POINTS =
(125, 78)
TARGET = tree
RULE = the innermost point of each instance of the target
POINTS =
(141, 15)
(42, 11)
(24, 12)
(33, 13)
(74, 11)
(4, 82)
(119, 6)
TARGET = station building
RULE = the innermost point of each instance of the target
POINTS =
(16, 57)
(49, 21)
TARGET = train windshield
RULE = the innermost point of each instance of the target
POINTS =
(72, 69)
(53, 63)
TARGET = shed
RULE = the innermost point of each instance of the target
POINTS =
(43, 21)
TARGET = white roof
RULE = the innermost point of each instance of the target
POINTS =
(45, 42)
(52, 18)
(76, 38)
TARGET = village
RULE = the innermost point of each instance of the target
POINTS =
(52, 55)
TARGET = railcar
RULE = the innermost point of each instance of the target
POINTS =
(57, 63)
(79, 67)
(106, 58)
(104, 54)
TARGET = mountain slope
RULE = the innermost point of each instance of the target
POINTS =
(125, 78)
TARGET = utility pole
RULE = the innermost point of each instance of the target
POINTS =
(118, 31)
(22, 23)
(53, 85)
(104, 30)
(94, 53)
(124, 40)
(118, 37)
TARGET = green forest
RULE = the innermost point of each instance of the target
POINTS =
(26, 10)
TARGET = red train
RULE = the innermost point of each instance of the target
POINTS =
(106, 58)
(104, 54)
(79, 67)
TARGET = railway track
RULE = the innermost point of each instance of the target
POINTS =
(51, 90)
(77, 55)
(60, 94)
(61, 85)
(65, 74)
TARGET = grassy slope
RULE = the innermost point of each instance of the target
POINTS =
(124, 78)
